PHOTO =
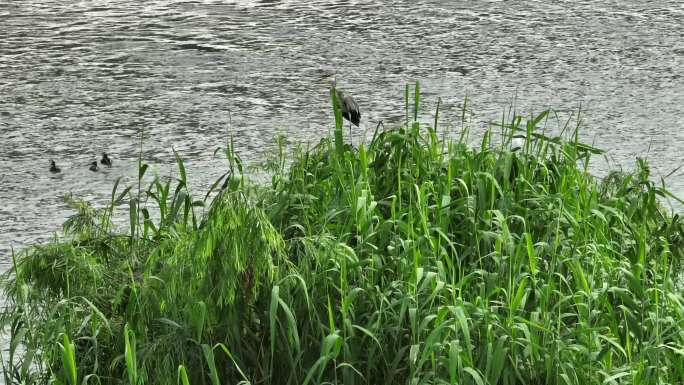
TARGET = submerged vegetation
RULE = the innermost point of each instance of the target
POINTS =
(414, 259)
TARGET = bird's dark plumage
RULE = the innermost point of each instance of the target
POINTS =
(351, 110)
(53, 167)
(93, 166)
(348, 106)
(105, 160)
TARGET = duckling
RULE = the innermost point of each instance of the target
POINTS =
(105, 160)
(53, 167)
(93, 166)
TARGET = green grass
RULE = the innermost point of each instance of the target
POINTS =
(413, 259)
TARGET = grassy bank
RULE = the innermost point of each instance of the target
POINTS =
(410, 260)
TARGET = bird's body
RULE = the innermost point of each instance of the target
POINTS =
(348, 106)
(93, 166)
(105, 160)
(53, 167)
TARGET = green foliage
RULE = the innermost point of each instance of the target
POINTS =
(410, 260)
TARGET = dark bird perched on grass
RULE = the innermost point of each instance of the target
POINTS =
(348, 106)
(105, 160)
(93, 166)
(53, 167)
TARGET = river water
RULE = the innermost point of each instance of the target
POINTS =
(79, 78)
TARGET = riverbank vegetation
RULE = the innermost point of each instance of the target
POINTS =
(413, 259)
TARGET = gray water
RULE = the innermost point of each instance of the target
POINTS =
(80, 78)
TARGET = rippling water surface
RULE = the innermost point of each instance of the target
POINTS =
(80, 78)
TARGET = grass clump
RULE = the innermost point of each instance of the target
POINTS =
(413, 259)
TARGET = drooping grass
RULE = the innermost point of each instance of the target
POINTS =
(413, 259)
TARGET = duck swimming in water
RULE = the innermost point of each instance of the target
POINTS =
(53, 167)
(105, 160)
(93, 166)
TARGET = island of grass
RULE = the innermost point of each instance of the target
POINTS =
(413, 259)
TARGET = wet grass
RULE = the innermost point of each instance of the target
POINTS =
(410, 260)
